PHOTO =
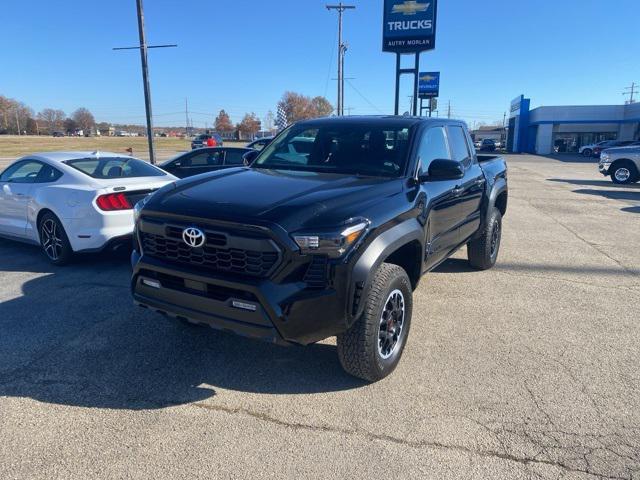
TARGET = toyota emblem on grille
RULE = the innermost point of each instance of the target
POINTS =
(194, 237)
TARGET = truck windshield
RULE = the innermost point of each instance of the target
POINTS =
(360, 149)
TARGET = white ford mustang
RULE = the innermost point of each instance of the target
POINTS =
(74, 201)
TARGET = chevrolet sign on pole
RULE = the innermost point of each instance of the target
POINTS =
(429, 84)
(409, 26)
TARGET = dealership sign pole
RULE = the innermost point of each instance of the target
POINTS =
(409, 27)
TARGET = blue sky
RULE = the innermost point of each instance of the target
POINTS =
(242, 55)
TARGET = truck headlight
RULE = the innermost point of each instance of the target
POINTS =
(604, 157)
(138, 208)
(334, 242)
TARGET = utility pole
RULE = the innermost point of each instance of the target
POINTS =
(631, 91)
(449, 110)
(186, 116)
(503, 136)
(342, 50)
(143, 47)
(18, 123)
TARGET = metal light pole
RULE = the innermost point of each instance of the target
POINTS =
(342, 49)
(143, 47)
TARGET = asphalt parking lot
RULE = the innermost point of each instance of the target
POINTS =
(529, 370)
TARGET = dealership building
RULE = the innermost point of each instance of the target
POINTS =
(561, 129)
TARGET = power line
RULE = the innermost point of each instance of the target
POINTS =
(363, 97)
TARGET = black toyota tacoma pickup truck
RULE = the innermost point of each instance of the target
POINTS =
(332, 241)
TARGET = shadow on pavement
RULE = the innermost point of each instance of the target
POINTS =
(594, 183)
(572, 158)
(72, 336)
(612, 194)
(454, 265)
(631, 209)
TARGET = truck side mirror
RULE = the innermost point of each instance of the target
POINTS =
(443, 169)
(249, 157)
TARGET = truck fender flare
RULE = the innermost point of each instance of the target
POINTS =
(374, 255)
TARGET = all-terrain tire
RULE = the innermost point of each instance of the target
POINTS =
(483, 251)
(361, 350)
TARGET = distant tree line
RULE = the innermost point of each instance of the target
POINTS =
(17, 118)
(296, 106)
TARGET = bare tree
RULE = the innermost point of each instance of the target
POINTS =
(321, 107)
(223, 123)
(269, 121)
(51, 119)
(84, 119)
(250, 125)
(300, 107)
(14, 115)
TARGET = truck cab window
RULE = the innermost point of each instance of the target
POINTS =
(433, 146)
(459, 146)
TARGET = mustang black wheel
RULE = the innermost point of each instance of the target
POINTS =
(53, 240)
(372, 347)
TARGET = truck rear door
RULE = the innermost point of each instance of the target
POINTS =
(469, 189)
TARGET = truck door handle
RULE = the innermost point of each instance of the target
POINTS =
(480, 182)
(458, 191)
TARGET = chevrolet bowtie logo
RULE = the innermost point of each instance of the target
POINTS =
(427, 78)
(410, 7)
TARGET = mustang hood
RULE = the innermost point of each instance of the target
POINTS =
(295, 200)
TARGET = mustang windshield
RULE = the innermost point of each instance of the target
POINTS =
(379, 150)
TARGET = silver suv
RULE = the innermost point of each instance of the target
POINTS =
(621, 164)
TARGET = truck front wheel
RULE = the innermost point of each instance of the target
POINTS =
(372, 347)
(483, 251)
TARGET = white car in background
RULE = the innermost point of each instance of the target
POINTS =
(587, 150)
(71, 202)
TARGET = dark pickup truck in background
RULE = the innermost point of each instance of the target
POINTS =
(299, 247)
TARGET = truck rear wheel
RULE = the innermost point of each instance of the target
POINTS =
(483, 251)
(372, 347)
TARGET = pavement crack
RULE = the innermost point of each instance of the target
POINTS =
(521, 460)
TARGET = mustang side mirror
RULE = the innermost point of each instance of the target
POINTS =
(442, 169)
(249, 157)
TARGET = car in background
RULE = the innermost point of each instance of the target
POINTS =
(203, 160)
(202, 140)
(610, 144)
(621, 164)
(58, 134)
(70, 202)
(488, 145)
(587, 150)
(260, 143)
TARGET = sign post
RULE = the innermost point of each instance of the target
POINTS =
(409, 27)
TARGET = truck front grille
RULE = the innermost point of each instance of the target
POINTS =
(212, 256)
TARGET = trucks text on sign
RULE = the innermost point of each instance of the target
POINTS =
(409, 26)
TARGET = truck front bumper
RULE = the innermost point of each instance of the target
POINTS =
(603, 168)
(283, 313)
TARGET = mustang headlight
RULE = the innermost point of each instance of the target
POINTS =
(604, 157)
(333, 242)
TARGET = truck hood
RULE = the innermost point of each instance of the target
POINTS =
(293, 199)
